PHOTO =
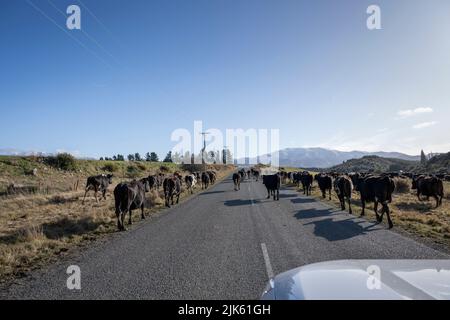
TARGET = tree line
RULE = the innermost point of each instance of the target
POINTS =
(208, 157)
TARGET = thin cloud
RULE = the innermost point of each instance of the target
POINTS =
(413, 112)
(424, 125)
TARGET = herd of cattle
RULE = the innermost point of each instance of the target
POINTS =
(372, 188)
(129, 196)
(378, 189)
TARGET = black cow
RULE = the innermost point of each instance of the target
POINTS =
(153, 182)
(98, 183)
(172, 188)
(296, 178)
(255, 173)
(306, 179)
(129, 196)
(237, 181)
(325, 183)
(272, 183)
(377, 189)
(343, 187)
(429, 187)
(212, 176)
(205, 180)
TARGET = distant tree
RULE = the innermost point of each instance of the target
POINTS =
(147, 157)
(168, 157)
(120, 157)
(130, 157)
(154, 157)
(137, 157)
(423, 158)
(114, 157)
(101, 158)
(192, 158)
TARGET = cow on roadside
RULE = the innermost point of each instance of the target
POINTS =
(325, 183)
(212, 176)
(237, 181)
(343, 187)
(190, 181)
(272, 183)
(429, 187)
(205, 180)
(153, 182)
(172, 189)
(98, 183)
(127, 197)
(376, 189)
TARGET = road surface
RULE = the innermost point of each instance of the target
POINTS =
(221, 244)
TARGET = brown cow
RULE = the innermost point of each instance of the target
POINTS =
(429, 187)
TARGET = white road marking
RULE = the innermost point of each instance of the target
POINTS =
(267, 261)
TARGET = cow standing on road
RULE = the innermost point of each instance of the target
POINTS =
(127, 197)
(343, 187)
(272, 183)
(325, 183)
(98, 183)
(237, 181)
(306, 179)
(377, 189)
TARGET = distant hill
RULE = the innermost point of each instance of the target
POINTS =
(375, 164)
(438, 163)
(324, 158)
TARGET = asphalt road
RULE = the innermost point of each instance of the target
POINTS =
(221, 244)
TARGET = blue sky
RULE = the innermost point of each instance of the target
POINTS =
(140, 69)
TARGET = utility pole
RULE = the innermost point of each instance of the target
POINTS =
(203, 149)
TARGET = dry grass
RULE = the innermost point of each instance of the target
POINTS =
(419, 218)
(38, 228)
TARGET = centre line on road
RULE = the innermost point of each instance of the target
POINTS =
(267, 261)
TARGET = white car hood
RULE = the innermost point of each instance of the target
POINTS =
(364, 280)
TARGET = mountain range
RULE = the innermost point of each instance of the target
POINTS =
(324, 158)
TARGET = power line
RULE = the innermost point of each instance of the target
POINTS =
(66, 32)
(86, 34)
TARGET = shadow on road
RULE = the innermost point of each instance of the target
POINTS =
(211, 192)
(313, 213)
(302, 200)
(333, 230)
(239, 202)
(284, 195)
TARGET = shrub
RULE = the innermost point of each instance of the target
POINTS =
(401, 185)
(110, 167)
(141, 167)
(132, 172)
(164, 169)
(63, 161)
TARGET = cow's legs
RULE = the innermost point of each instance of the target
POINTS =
(268, 193)
(349, 205)
(85, 193)
(129, 218)
(142, 212)
(104, 194)
(278, 194)
(437, 200)
(363, 206)
(329, 192)
(375, 208)
(418, 195)
(388, 215)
